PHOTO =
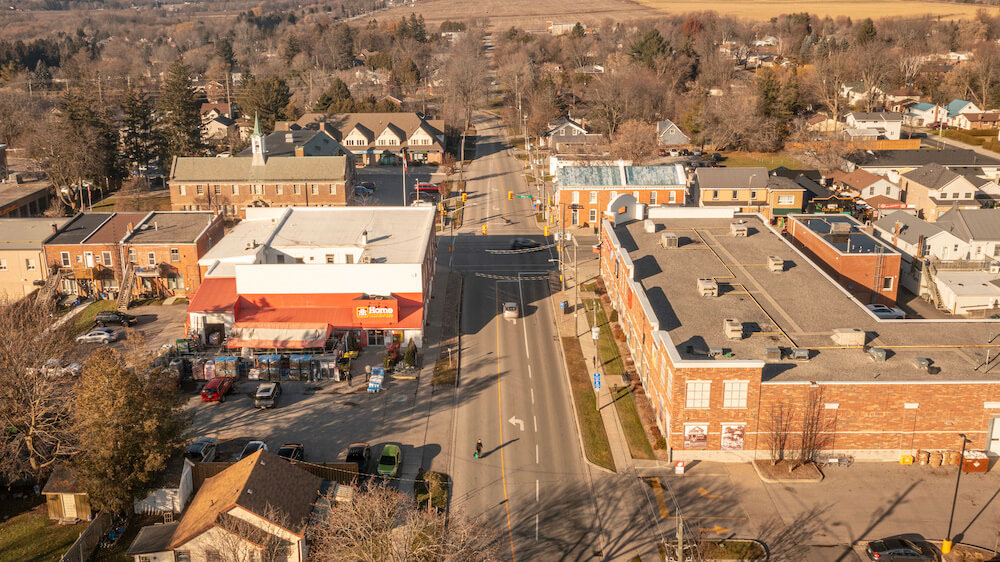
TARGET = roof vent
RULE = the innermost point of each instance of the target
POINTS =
(800, 353)
(773, 354)
(669, 240)
(708, 287)
(923, 363)
(852, 337)
(877, 354)
(649, 225)
(715, 352)
(733, 328)
(739, 229)
(289, 137)
(775, 264)
(840, 227)
(366, 259)
(364, 239)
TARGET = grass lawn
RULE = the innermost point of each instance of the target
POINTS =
(635, 434)
(432, 487)
(85, 320)
(595, 438)
(769, 160)
(33, 536)
(158, 203)
(611, 361)
(724, 550)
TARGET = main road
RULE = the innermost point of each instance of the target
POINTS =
(531, 482)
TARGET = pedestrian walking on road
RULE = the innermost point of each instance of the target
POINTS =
(479, 448)
(348, 378)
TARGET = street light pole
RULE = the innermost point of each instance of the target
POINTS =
(576, 276)
(947, 542)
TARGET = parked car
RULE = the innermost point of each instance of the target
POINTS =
(251, 448)
(523, 244)
(886, 312)
(362, 191)
(202, 449)
(685, 152)
(267, 395)
(216, 389)
(360, 453)
(426, 187)
(674, 152)
(662, 152)
(291, 451)
(898, 549)
(390, 461)
(98, 335)
(368, 185)
(716, 157)
(106, 317)
(510, 310)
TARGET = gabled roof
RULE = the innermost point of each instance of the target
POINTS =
(886, 116)
(152, 539)
(399, 133)
(61, 481)
(255, 483)
(284, 143)
(365, 131)
(340, 124)
(729, 178)
(972, 224)
(912, 158)
(562, 121)
(911, 228)
(955, 106)
(982, 117)
(922, 106)
(276, 168)
(611, 176)
(223, 120)
(858, 179)
(932, 176)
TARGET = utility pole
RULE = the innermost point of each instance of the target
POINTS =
(947, 542)
(576, 276)
(562, 242)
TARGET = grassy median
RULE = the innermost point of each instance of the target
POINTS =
(635, 434)
(595, 438)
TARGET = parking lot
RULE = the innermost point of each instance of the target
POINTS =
(388, 181)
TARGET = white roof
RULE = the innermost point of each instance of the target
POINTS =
(969, 283)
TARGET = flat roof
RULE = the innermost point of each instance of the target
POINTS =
(799, 307)
(80, 227)
(11, 193)
(27, 234)
(853, 241)
(112, 231)
(970, 283)
(165, 227)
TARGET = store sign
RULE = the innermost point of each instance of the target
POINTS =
(382, 309)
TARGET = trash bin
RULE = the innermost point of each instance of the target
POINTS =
(564, 306)
(936, 458)
(923, 457)
(975, 461)
(953, 458)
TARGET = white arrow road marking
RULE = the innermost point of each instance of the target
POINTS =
(516, 422)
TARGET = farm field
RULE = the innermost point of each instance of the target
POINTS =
(855, 9)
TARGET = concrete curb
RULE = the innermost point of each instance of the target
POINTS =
(773, 481)
(576, 416)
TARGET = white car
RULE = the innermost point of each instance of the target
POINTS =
(886, 312)
(98, 335)
(251, 448)
(510, 310)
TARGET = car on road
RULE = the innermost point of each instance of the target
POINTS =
(98, 335)
(291, 451)
(251, 448)
(267, 395)
(887, 312)
(216, 389)
(202, 449)
(389, 461)
(510, 310)
(360, 453)
(362, 191)
(427, 187)
(106, 317)
(524, 244)
(898, 549)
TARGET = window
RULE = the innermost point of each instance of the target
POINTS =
(576, 197)
(280, 258)
(698, 393)
(614, 194)
(64, 258)
(175, 255)
(968, 196)
(296, 189)
(330, 258)
(736, 195)
(212, 556)
(79, 259)
(887, 283)
(593, 216)
(734, 394)
(217, 189)
(671, 197)
(333, 189)
(887, 190)
(182, 189)
(257, 190)
(199, 189)
(151, 258)
(106, 259)
(593, 197)
(715, 195)
(236, 190)
(348, 258)
(29, 264)
(786, 199)
(182, 556)
(753, 194)
(652, 198)
(175, 283)
(314, 189)
(131, 256)
(279, 189)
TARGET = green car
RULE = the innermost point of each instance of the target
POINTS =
(388, 463)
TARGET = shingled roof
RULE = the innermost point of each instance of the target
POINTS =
(275, 168)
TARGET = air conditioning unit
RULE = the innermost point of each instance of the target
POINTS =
(669, 240)
(715, 352)
(649, 226)
(877, 354)
(848, 337)
(708, 287)
(800, 353)
(773, 354)
(995, 268)
(739, 229)
(922, 363)
(775, 264)
(366, 259)
(840, 227)
(733, 328)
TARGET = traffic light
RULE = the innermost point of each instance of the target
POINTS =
(463, 197)
(510, 195)
(484, 229)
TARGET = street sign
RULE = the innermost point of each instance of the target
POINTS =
(522, 196)
(597, 381)
(595, 333)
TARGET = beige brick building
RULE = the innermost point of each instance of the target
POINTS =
(22, 259)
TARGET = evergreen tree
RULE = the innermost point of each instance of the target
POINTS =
(140, 140)
(267, 98)
(336, 93)
(768, 94)
(578, 31)
(790, 95)
(224, 50)
(179, 115)
(649, 49)
(866, 32)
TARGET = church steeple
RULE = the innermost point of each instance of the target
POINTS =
(257, 143)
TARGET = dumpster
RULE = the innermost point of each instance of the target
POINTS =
(975, 461)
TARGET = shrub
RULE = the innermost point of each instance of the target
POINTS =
(613, 317)
(618, 332)
(411, 354)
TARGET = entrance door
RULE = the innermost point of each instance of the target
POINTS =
(576, 217)
(994, 441)
(68, 506)
(88, 259)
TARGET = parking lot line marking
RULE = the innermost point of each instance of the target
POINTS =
(721, 518)
(704, 493)
(661, 501)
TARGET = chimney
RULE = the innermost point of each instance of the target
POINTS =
(289, 137)
(364, 239)
(130, 228)
(895, 233)
(55, 228)
(300, 151)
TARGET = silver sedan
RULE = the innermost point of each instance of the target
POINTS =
(98, 335)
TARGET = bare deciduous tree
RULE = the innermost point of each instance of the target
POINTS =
(813, 436)
(777, 429)
(244, 541)
(634, 141)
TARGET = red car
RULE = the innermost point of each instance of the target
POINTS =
(216, 389)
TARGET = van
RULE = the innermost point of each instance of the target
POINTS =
(267, 395)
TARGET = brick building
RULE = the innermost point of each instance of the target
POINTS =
(22, 259)
(738, 329)
(229, 185)
(583, 192)
(749, 190)
(379, 138)
(861, 263)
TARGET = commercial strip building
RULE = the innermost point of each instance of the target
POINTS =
(379, 138)
(22, 259)
(732, 328)
(302, 278)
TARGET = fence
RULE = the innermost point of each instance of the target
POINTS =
(86, 544)
(339, 472)
(886, 144)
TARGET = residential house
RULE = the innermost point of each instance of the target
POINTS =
(977, 121)
(379, 138)
(917, 238)
(22, 258)
(86, 254)
(300, 142)
(563, 127)
(65, 500)
(923, 114)
(978, 228)
(900, 98)
(881, 205)
(668, 134)
(767, 41)
(958, 107)
(218, 129)
(211, 111)
(863, 184)
(229, 185)
(884, 124)
(749, 190)
(823, 123)
(260, 500)
(892, 163)
(933, 189)
(591, 143)
(855, 92)
(583, 193)
(590, 69)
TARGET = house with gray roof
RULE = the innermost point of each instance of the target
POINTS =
(979, 228)
(300, 142)
(882, 124)
(892, 163)
(749, 190)
(934, 189)
(669, 134)
(379, 138)
(583, 193)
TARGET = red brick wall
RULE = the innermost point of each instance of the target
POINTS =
(209, 200)
(564, 196)
(102, 273)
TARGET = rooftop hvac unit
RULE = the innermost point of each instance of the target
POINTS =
(773, 354)
(733, 329)
(669, 240)
(708, 287)
(840, 227)
(800, 353)
(923, 363)
(739, 229)
(995, 268)
(848, 337)
(715, 352)
(649, 225)
(877, 354)
(775, 263)
(366, 259)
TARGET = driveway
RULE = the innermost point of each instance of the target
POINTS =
(388, 181)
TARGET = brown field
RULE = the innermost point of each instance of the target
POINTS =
(532, 14)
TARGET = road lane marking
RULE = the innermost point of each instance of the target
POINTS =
(532, 395)
(536, 490)
(535, 420)
(516, 423)
(661, 501)
(536, 454)
(529, 371)
(536, 527)
(503, 468)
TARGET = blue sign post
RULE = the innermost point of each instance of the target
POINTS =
(597, 381)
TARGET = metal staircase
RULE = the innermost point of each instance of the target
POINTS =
(125, 290)
(932, 286)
